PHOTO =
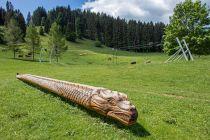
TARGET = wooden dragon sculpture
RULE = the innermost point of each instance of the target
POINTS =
(106, 102)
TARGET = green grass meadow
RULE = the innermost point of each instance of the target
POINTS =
(173, 100)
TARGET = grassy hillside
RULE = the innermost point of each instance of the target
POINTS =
(173, 100)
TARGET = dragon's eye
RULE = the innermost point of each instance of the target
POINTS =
(120, 100)
(111, 101)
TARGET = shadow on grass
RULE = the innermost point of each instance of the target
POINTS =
(37, 61)
(137, 129)
(28, 60)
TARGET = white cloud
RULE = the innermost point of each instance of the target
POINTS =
(144, 10)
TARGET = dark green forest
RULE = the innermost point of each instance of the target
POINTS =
(113, 32)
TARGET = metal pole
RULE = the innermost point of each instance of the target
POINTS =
(188, 49)
(180, 45)
(51, 55)
(113, 55)
(173, 57)
(40, 55)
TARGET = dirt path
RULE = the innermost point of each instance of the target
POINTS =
(176, 96)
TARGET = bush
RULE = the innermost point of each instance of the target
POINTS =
(71, 36)
(98, 44)
(2, 40)
(41, 31)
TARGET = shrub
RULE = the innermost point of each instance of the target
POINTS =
(98, 44)
(71, 36)
(41, 31)
(2, 39)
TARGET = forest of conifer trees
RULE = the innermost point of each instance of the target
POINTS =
(112, 32)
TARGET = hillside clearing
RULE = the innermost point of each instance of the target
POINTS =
(28, 113)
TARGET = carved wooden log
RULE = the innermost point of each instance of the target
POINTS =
(106, 102)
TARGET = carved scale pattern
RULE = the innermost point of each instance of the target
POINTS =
(77, 93)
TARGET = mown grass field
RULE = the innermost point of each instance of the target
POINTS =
(173, 100)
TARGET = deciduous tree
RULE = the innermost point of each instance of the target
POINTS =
(56, 42)
(33, 39)
(13, 35)
(187, 22)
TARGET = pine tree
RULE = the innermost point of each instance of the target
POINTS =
(43, 21)
(115, 35)
(91, 25)
(56, 42)
(60, 21)
(9, 12)
(80, 25)
(70, 34)
(28, 19)
(125, 34)
(2, 15)
(38, 14)
(21, 21)
(33, 39)
(2, 41)
(108, 29)
(13, 35)
(120, 33)
(17, 15)
(9, 6)
(47, 26)
(98, 29)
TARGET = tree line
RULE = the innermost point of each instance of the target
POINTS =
(17, 31)
(77, 24)
(7, 14)
(187, 22)
(113, 32)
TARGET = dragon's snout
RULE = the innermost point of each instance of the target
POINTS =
(134, 115)
(127, 117)
(115, 105)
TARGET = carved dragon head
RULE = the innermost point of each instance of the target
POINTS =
(115, 105)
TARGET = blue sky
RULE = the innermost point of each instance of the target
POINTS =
(144, 10)
(30, 5)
